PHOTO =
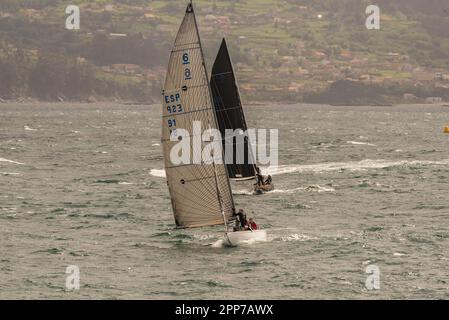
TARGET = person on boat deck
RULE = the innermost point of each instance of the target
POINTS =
(237, 226)
(240, 219)
(259, 177)
(269, 180)
(252, 224)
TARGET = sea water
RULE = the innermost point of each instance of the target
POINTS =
(356, 187)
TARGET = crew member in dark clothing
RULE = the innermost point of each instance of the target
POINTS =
(242, 218)
(240, 223)
(269, 180)
(259, 177)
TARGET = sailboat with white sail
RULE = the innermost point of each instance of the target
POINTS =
(200, 192)
(231, 116)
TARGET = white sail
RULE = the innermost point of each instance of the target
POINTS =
(200, 193)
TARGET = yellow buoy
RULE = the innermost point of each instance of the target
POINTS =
(446, 129)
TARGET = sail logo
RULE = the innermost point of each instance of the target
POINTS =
(186, 61)
(206, 147)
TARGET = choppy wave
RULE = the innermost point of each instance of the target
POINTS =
(9, 161)
(9, 173)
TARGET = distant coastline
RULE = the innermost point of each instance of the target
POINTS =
(338, 93)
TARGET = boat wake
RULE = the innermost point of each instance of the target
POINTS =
(351, 166)
(313, 188)
(222, 243)
(334, 166)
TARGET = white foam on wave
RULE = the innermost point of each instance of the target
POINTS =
(160, 173)
(297, 237)
(242, 192)
(295, 190)
(247, 242)
(218, 244)
(318, 188)
(27, 128)
(398, 254)
(10, 161)
(357, 143)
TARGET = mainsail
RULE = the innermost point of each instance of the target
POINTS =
(200, 193)
(230, 115)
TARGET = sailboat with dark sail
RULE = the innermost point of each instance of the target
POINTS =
(230, 116)
(200, 192)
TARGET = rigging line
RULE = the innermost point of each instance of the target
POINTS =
(215, 75)
(229, 108)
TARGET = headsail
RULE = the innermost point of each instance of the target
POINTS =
(200, 193)
(230, 113)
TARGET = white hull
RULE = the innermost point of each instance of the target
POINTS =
(233, 238)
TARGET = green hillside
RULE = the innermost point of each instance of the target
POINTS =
(288, 50)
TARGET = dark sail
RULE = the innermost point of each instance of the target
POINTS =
(230, 115)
